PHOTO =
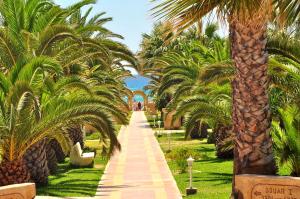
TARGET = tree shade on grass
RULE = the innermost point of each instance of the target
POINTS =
(76, 182)
(73, 182)
(211, 176)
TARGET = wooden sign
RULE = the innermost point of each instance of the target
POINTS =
(18, 191)
(268, 187)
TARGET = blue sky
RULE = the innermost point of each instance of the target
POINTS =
(131, 18)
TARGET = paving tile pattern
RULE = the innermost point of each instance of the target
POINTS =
(140, 170)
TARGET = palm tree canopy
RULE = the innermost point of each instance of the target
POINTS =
(185, 13)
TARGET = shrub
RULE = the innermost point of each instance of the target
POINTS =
(180, 155)
(181, 164)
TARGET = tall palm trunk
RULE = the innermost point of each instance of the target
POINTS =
(251, 111)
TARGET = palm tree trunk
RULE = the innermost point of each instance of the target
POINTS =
(36, 162)
(234, 193)
(76, 135)
(199, 130)
(59, 153)
(195, 133)
(251, 111)
(252, 116)
(222, 135)
(51, 158)
(13, 172)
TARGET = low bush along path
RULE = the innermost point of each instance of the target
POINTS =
(140, 169)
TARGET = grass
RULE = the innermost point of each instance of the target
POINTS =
(211, 176)
(76, 182)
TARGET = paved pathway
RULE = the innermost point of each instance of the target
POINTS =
(140, 170)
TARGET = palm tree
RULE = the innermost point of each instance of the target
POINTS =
(248, 36)
(184, 75)
(283, 71)
(27, 120)
(37, 50)
(106, 55)
(76, 134)
(29, 28)
(213, 107)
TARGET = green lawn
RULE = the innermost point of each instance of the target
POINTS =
(211, 176)
(75, 182)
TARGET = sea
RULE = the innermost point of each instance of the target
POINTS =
(137, 82)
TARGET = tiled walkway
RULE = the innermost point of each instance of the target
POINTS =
(140, 170)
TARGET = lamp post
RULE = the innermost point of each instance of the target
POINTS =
(154, 120)
(190, 190)
(159, 123)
